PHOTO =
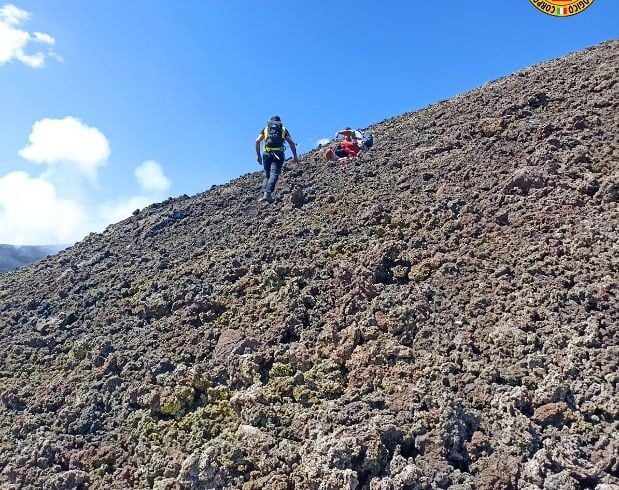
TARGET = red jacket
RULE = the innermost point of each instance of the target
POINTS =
(350, 147)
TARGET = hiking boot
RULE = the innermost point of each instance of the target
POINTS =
(266, 196)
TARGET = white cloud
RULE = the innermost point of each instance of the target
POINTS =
(14, 41)
(31, 212)
(41, 37)
(34, 211)
(60, 205)
(151, 177)
(323, 142)
(13, 16)
(67, 140)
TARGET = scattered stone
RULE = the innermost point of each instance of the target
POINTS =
(297, 198)
(550, 414)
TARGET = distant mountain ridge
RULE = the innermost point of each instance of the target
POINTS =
(13, 256)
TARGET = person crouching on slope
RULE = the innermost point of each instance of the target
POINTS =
(274, 135)
(347, 148)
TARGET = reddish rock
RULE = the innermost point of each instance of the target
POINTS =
(550, 414)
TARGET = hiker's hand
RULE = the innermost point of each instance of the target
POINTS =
(296, 160)
(259, 160)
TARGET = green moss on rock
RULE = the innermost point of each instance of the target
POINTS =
(189, 429)
(423, 271)
(280, 370)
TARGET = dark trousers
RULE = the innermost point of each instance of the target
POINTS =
(272, 162)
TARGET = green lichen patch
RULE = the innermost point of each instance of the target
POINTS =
(189, 430)
(423, 271)
(280, 370)
(324, 381)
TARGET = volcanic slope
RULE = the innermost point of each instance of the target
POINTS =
(440, 313)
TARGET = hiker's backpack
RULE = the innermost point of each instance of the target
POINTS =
(367, 140)
(274, 135)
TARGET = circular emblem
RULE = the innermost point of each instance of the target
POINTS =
(562, 8)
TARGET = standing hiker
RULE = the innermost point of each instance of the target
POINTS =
(274, 135)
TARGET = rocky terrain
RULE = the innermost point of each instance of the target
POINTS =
(440, 313)
(12, 257)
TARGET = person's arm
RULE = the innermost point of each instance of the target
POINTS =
(259, 139)
(293, 147)
(344, 132)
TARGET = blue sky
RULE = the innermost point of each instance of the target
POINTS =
(187, 85)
